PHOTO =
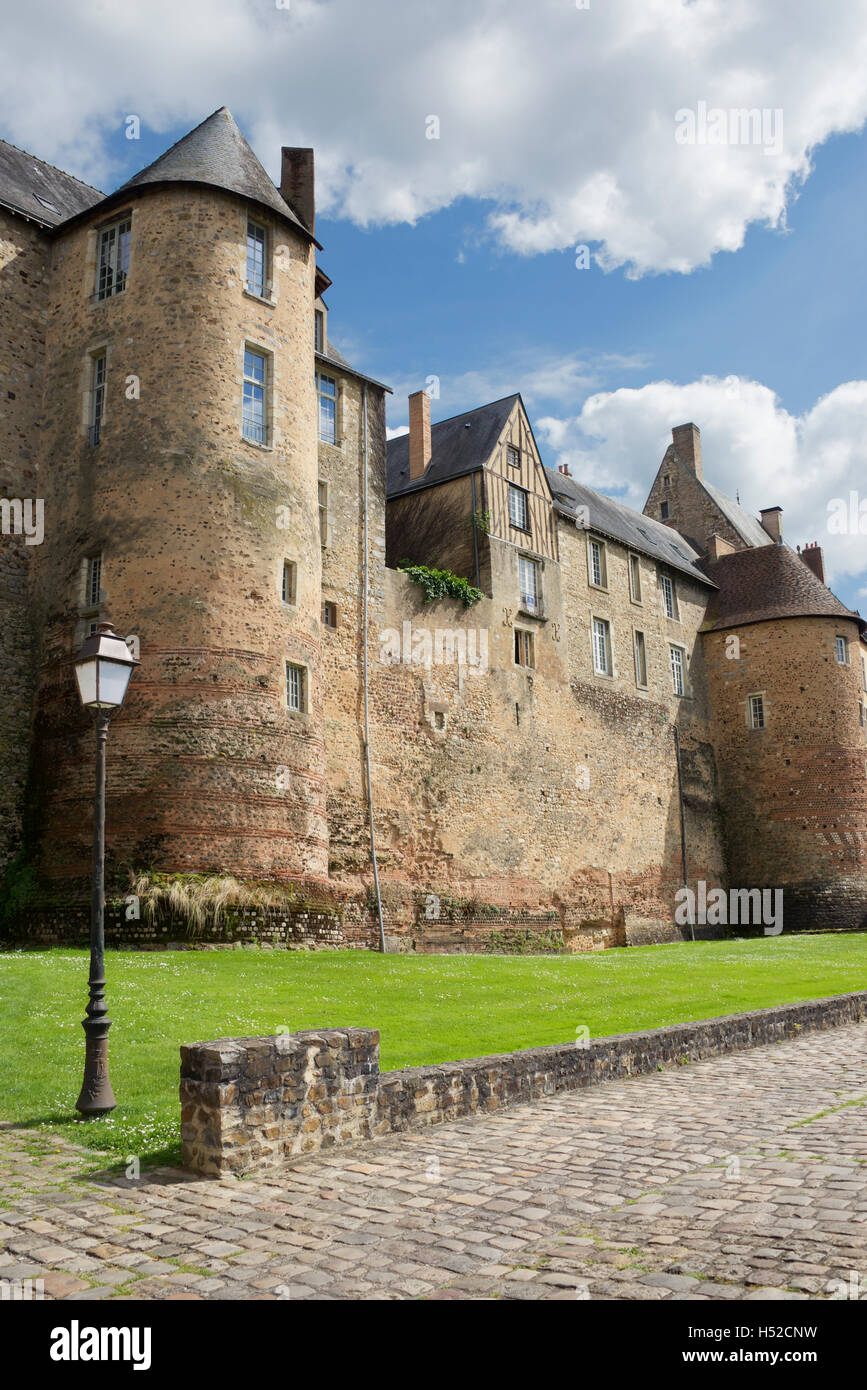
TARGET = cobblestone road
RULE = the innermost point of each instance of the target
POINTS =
(741, 1177)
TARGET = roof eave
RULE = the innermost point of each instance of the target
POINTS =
(345, 367)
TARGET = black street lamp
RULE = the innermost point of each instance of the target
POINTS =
(102, 668)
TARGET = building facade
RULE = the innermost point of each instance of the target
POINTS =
(543, 767)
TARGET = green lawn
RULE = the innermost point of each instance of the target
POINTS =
(428, 1009)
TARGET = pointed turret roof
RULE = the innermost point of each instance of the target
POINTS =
(217, 154)
(765, 582)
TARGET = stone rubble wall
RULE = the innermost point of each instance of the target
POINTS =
(251, 1104)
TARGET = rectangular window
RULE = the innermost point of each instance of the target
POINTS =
(326, 387)
(519, 511)
(635, 578)
(97, 397)
(323, 513)
(669, 600)
(112, 263)
(513, 456)
(296, 688)
(528, 581)
(601, 647)
(842, 651)
(318, 330)
(93, 580)
(663, 511)
(290, 573)
(524, 648)
(329, 613)
(640, 660)
(256, 243)
(757, 711)
(255, 385)
(678, 683)
(598, 569)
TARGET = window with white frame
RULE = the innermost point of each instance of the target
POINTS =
(602, 647)
(524, 648)
(528, 583)
(296, 688)
(98, 372)
(669, 597)
(257, 242)
(513, 456)
(289, 581)
(326, 388)
(842, 647)
(640, 660)
(519, 508)
(255, 415)
(598, 568)
(112, 258)
(678, 670)
(756, 709)
(323, 513)
(635, 578)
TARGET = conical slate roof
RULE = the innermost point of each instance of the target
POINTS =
(217, 154)
(770, 581)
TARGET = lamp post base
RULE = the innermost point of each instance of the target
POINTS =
(97, 1097)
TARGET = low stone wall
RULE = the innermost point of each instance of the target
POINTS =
(249, 1104)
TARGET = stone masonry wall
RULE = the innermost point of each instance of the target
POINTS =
(251, 1104)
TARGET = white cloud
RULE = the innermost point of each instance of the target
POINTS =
(750, 445)
(563, 118)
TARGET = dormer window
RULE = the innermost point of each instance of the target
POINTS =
(112, 260)
(257, 239)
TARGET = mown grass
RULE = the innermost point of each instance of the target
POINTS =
(428, 1009)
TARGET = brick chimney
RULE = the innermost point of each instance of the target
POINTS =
(419, 434)
(296, 185)
(687, 445)
(772, 523)
(564, 469)
(812, 556)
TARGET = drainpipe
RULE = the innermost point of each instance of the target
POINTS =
(364, 664)
(682, 819)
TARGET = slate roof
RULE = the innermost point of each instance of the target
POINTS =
(332, 358)
(768, 582)
(217, 154)
(47, 195)
(459, 446)
(748, 527)
(620, 523)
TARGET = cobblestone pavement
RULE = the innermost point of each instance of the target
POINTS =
(740, 1177)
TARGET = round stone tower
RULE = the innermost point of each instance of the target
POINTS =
(179, 472)
(784, 661)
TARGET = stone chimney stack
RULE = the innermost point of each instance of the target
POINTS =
(296, 185)
(772, 523)
(687, 445)
(419, 434)
(812, 556)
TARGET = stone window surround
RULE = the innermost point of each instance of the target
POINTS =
(603, 562)
(251, 345)
(91, 255)
(293, 566)
(633, 555)
(304, 711)
(748, 711)
(611, 673)
(684, 660)
(636, 633)
(327, 370)
(674, 616)
(838, 640)
(100, 349)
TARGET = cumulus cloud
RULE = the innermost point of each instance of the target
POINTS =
(562, 118)
(751, 445)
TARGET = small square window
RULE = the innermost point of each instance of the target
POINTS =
(524, 648)
(296, 688)
(288, 591)
(513, 456)
(329, 613)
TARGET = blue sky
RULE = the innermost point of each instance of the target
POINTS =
(727, 282)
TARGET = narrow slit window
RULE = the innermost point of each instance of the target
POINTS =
(326, 387)
(635, 578)
(97, 397)
(289, 581)
(318, 330)
(257, 239)
(93, 581)
(323, 514)
(640, 660)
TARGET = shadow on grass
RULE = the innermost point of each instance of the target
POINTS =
(84, 1132)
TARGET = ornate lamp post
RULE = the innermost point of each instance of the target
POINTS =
(102, 669)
